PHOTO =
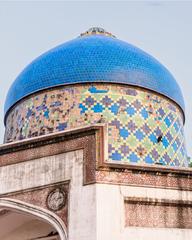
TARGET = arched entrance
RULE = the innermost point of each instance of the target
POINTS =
(21, 221)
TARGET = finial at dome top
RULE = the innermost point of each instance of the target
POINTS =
(97, 31)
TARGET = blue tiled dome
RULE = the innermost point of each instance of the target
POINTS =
(94, 58)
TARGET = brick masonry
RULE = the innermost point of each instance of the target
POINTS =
(97, 169)
(38, 197)
(154, 213)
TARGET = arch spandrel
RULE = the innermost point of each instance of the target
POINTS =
(41, 215)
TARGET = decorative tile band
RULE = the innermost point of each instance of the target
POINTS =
(143, 127)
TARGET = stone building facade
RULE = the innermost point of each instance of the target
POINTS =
(94, 147)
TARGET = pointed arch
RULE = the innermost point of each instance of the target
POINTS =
(39, 212)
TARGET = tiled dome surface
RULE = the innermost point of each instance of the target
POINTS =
(94, 58)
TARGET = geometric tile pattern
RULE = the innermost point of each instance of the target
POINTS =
(143, 127)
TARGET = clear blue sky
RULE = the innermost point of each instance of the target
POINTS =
(161, 28)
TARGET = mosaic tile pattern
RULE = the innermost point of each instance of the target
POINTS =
(94, 59)
(142, 127)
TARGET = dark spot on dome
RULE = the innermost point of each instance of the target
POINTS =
(159, 139)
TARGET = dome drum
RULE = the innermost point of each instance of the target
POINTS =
(143, 127)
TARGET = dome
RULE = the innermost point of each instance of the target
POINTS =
(97, 78)
(94, 58)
